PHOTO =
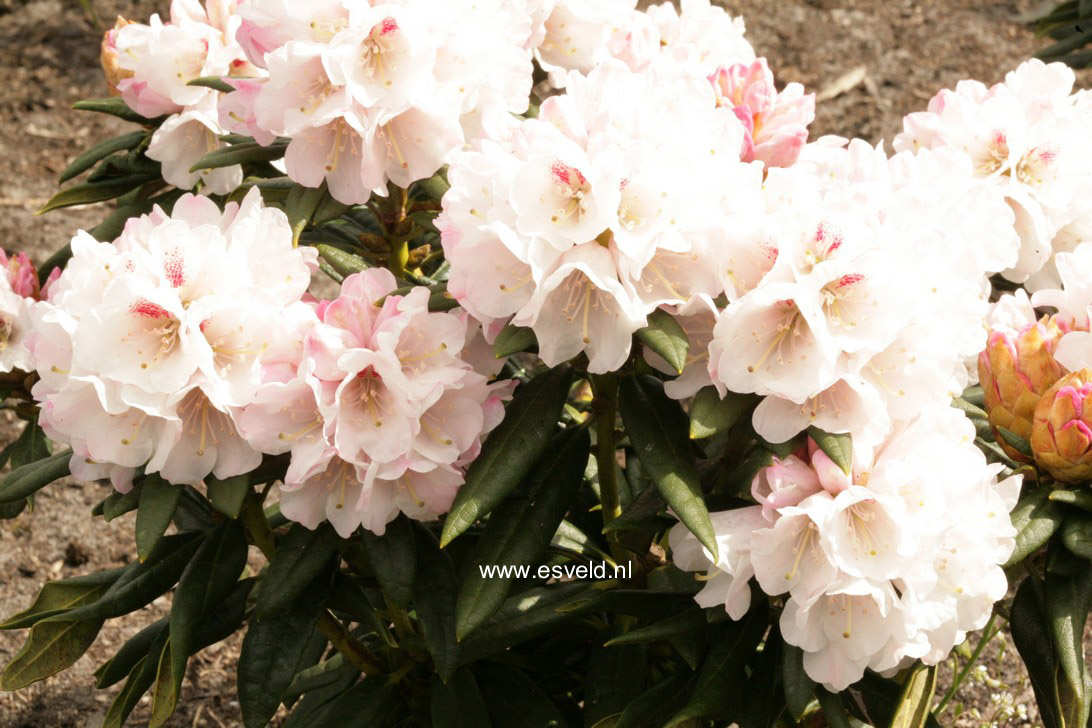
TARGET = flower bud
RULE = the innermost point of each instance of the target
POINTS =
(1061, 437)
(1015, 370)
(109, 57)
(21, 275)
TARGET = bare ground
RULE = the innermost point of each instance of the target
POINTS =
(878, 59)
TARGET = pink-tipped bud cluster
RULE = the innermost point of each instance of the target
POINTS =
(1061, 436)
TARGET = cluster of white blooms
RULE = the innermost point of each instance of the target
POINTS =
(893, 562)
(1027, 137)
(151, 66)
(18, 291)
(146, 345)
(378, 406)
(376, 91)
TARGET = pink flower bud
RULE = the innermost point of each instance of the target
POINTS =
(109, 57)
(21, 275)
(1061, 436)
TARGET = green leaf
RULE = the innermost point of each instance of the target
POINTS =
(913, 710)
(971, 410)
(689, 620)
(837, 446)
(88, 192)
(300, 557)
(616, 677)
(393, 559)
(272, 650)
(315, 704)
(301, 205)
(32, 477)
(1080, 498)
(658, 430)
(657, 705)
(834, 710)
(213, 82)
(1077, 534)
(227, 496)
(725, 664)
(57, 597)
(50, 648)
(1031, 633)
(158, 501)
(101, 151)
(115, 107)
(521, 527)
(318, 676)
(513, 339)
(514, 700)
(207, 580)
(511, 449)
(118, 504)
(1035, 518)
(709, 414)
(799, 687)
(244, 153)
(458, 703)
(342, 262)
(643, 514)
(435, 186)
(1067, 602)
(135, 649)
(1017, 443)
(434, 597)
(764, 703)
(666, 337)
(31, 447)
(140, 679)
(874, 700)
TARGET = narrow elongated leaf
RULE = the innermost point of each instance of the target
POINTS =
(272, 649)
(690, 620)
(514, 700)
(342, 262)
(837, 446)
(666, 337)
(118, 504)
(313, 706)
(513, 339)
(917, 697)
(135, 649)
(88, 192)
(370, 702)
(834, 710)
(318, 676)
(658, 430)
(393, 559)
(643, 514)
(709, 414)
(458, 703)
(653, 708)
(1067, 602)
(874, 700)
(243, 153)
(764, 703)
(207, 580)
(616, 677)
(50, 648)
(511, 449)
(521, 527)
(158, 501)
(31, 447)
(1077, 534)
(799, 687)
(57, 597)
(301, 556)
(140, 679)
(1020, 444)
(101, 151)
(114, 106)
(32, 477)
(227, 496)
(434, 597)
(1080, 498)
(1035, 518)
(1031, 633)
(301, 205)
(213, 82)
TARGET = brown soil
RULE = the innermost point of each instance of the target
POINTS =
(49, 58)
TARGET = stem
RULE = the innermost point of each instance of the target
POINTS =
(605, 387)
(958, 680)
(358, 655)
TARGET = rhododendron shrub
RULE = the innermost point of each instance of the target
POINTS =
(528, 363)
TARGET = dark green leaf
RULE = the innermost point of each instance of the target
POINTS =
(1031, 633)
(344, 263)
(834, 710)
(318, 676)
(511, 449)
(799, 687)
(837, 446)
(435, 186)
(874, 700)
(88, 192)
(1080, 498)
(458, 703)
(302, 555)
(666, 337)
(690, 620)
(434, 597)
(57, 597)
(301, 205)
(115, 107)
(50, 648)
(524, 616)
(31, 447)
(158, 501)
(513, 339)
(1067, 602)
(227, 496)
(616, 677)
(366, 704)
(521, 527)
(514, 700)
(101, 151)
(393, 559)
(643, 514)
(312, 707)
(971, 410)
(657, 705)
(118, 504)
(272, 650)
(1035, 518)
(140, 679)
(1017, 443)
(213, 82)
(709, 414)
(658, 430)
(243, 153)
(32, 477)
(135, 649)
(1077, 534)
(917, 696)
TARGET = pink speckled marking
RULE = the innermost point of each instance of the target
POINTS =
(174, 269)
(147, 309)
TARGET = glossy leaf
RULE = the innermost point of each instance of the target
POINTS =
(1035, 518)
(1031, 633)
(834, 710)
(521, 527)
(32, 446)
(837, 446)
(101, 151)
(513, 339)
(50, 648)
(799, 687)
(99, 191)
(709, 414)
(1077, 534)
(300, 557)
(616, 677)
(114, 106)
(689, 620)
(393, 559)
(666, 337)
(525, 616)
(654, 707)
(917, 697)
(1020, 444)
(343, 262)
(227, 495)
(1067, 601)
(57, 597)
(458, 703)
(32, 477)
(244, 153)
(511, 449)
(434, 598)
(658, 430)
(135, 649)
(118, 504)
(514, 700)
(158, 501)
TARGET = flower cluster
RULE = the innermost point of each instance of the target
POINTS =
(151, 67)
(1027, 138)
(892, 562)
(19, 289)
(378, 406)
(371, 92)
